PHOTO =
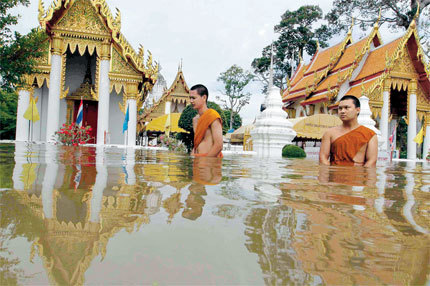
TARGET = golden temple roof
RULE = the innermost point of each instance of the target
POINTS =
(335, 69)
(93, 28)
(179, 89)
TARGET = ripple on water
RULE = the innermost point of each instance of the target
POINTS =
(99, 215)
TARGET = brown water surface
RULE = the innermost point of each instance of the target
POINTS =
(100, 216)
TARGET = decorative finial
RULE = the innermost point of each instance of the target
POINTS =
(379, 19)
(350, 27)
(318, 45)
(117, 20)
(271, 67)
(41, 9)
(141, 52)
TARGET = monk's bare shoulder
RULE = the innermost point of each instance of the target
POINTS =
(195, 121)
(332, 131)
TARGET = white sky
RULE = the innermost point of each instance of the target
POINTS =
(208, 35)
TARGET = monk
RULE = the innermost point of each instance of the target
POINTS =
(349, 144)
(207, 125)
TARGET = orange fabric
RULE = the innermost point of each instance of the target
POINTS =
(203, 124)
(344, 148)
(207, 171)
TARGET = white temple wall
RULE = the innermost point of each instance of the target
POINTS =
(39, 132)
(116, 119)
(63, 112)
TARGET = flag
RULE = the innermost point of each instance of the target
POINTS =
(80, 116)
(420, 136)
(32, 113)
(77, 178)
(167, 125)
(126, 119)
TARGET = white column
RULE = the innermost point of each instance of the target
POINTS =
(52, 123)
(131, 133)
(99, 185)
(104, 97)
(384, 118)
(167, 107)
(20, 160)
(49, 179)
(130, 161)
(412, 120)
(426, 148)
(21, 122)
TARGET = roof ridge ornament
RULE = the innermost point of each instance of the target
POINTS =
(271, 67)
(350, 27)
(376, 25)
(41, 10)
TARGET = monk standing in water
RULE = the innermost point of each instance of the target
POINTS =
(207, 125)
(349, 144)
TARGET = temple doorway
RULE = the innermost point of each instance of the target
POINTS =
(399, 111)
(90, 117)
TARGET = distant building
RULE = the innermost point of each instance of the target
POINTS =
(173, 100)
(394, 76)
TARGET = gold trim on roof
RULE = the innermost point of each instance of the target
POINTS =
(113, 25)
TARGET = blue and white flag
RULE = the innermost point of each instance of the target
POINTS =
(80, 116)
(126, 119)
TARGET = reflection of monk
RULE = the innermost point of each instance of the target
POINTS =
(207, 125)
(207, 171)
(194, 202)
(349, 144)
(358, 176)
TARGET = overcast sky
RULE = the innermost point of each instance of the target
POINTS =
(208, 35)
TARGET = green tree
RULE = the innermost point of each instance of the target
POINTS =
(237, 121)
(186, 123)
(298, 31)
(235, 79)
(397, 13)
(18, 54)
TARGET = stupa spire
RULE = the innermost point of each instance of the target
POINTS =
(271, 67)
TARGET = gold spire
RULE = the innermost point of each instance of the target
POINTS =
(41, 10)
(350, 27)
(378, 20)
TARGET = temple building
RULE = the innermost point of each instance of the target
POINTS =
(85, 57)
(394, 76)
(173, 100)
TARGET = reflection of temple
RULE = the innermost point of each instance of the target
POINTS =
(270, 234)
(85, 57)
(394, 76)
(337, 234)
(70, 226)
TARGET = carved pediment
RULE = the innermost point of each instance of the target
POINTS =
(120, 66)
(82, 17)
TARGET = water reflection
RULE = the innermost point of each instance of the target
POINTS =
(299, 223)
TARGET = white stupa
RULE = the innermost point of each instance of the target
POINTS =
(272, 129)
(365, 119)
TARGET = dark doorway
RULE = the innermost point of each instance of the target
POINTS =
(90, 117)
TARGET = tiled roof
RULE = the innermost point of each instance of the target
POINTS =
(375, 62)
(332, 80)
(323, 58)
(358, 89)
(291, 97)
(298, 74)
(350, 54)
(315, 99)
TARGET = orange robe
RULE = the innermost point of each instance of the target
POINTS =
(345, 147)
(203, 124)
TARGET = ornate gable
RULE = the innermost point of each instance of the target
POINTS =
(82, 17)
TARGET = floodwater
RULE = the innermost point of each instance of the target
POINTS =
(114, 216)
